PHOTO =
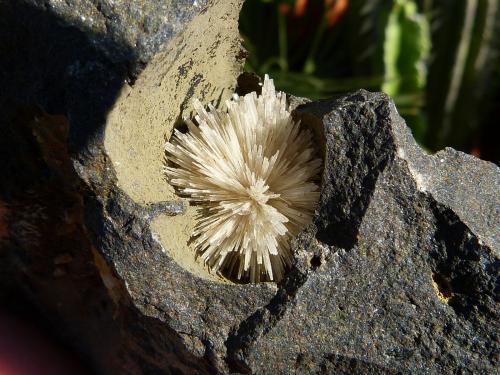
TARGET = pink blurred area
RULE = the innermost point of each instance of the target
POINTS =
(26, 350)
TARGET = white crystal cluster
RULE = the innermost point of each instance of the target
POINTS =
(252, 171)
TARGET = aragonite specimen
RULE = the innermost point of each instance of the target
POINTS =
(252, 171)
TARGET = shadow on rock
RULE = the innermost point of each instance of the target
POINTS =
(57, 86)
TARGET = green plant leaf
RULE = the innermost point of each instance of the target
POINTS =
(405, 50)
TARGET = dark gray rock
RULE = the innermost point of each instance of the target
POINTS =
(68, 56)
(60, 72)
(398, 273)
(393, 276)
(142, 25)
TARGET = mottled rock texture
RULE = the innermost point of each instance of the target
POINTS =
(397, 274)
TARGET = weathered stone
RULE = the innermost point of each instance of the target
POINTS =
(398, 272)
(395, 275)
(53, 61)
(142, 25)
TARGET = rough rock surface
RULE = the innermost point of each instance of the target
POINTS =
(398, 273)
(142, 25)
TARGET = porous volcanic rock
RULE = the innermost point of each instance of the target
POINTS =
(397, 273)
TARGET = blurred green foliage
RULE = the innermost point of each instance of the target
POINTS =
(438, 59)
